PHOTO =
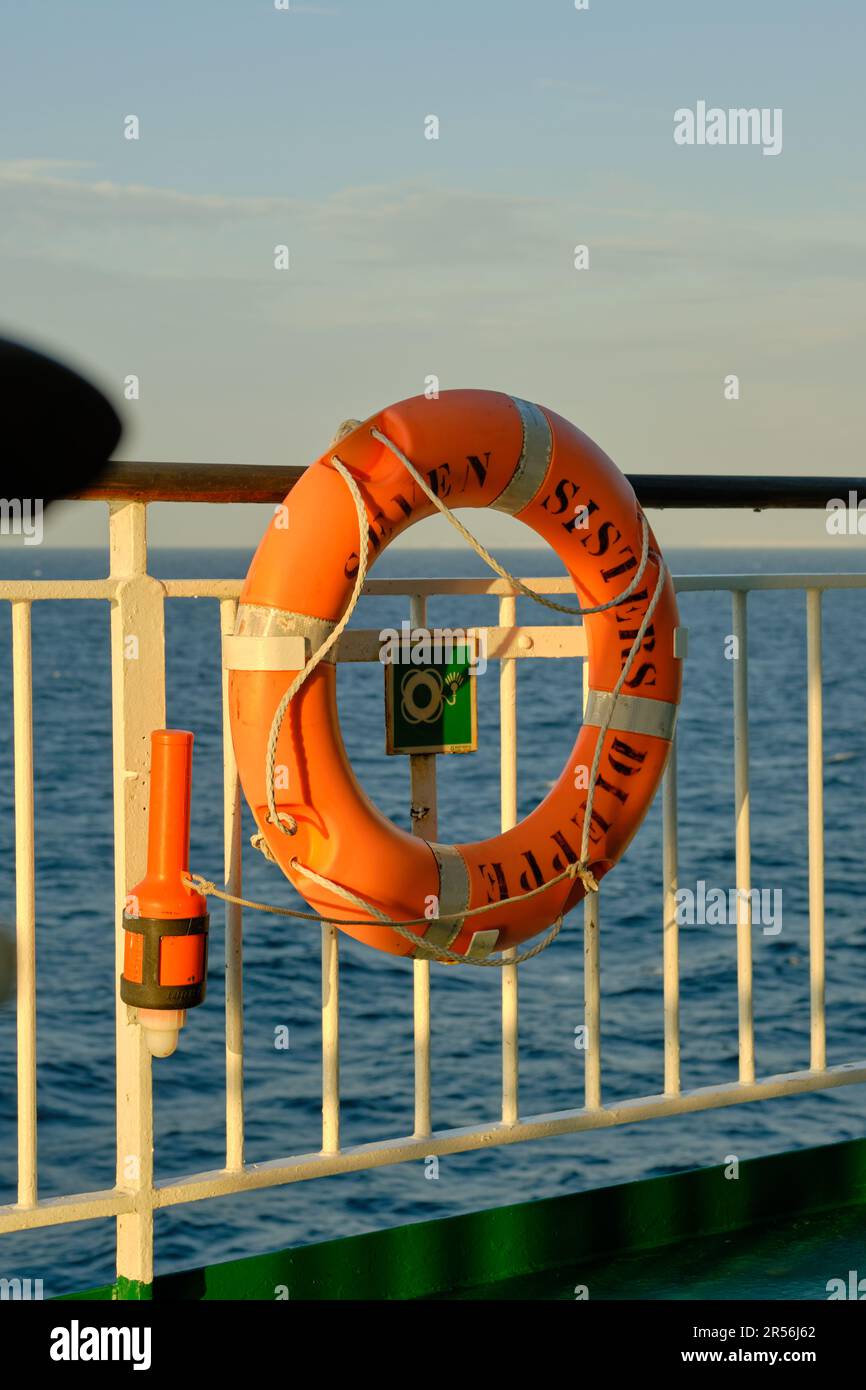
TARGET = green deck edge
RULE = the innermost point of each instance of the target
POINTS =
(126, 1290)
(427, 1258)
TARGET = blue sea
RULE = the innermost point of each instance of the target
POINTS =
(282, 964)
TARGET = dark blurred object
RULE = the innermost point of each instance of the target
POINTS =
(7, 963)
(58, 432)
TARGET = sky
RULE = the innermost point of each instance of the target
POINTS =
(452, 257)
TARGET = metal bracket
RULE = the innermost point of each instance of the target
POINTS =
(482, 943)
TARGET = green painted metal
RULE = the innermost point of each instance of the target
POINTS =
(797, 1256)
(432, 708)
(132, 1290)
(658, 1226)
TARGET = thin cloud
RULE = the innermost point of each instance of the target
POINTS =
(41, 176)
(420, 232)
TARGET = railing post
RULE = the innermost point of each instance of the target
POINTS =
(234, 922)
(743, 839)
(591, 981)
(422, 772)
(138, 707)
(25, 898)
(670, 926)
(508, 797)
(330, 1038)
(815, 716)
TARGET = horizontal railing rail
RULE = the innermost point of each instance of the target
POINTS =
(231, 482)
(137, 607)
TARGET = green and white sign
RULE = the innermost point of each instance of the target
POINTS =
(431, 707)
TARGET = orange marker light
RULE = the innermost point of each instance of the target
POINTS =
(166, 924)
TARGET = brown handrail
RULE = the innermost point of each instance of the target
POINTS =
(233, 482)
(190, 482)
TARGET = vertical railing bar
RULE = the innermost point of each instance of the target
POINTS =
(422, 774)
(815, 716)
(421, 1033)
(508, 818)
(670, 929)
(743, 839)
(591, 981)
(138, 707)
(25, 898)
(330, 1039)
(232, 864)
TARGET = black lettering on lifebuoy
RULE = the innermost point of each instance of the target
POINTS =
(494, 877)
(405, 507)
(478, 468)
(609, 787)
(642, 678)
(624, 568)
(604, 538)
(440, 480)
(570, 856)
(561, 496)
(634, 602)
(384, 532)
(597, 824)
(625, 750)
(537, 875)
(647, 645)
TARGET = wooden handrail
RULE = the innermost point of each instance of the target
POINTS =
(232, 482)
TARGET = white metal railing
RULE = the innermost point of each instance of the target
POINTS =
(137, 601)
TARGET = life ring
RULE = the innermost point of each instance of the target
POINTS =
(475, 449)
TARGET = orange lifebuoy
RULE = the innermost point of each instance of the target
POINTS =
(475, 449)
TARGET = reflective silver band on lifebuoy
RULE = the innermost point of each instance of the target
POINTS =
(274, 639)
(453, 897)
(533, 463)
(634, 714)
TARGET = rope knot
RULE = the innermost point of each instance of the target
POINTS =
(199, 884)
(284, 822)
(344, 428)
(259, 842)
(585, 875)
(579, 869)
